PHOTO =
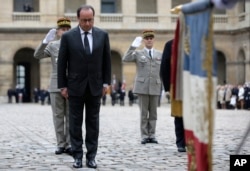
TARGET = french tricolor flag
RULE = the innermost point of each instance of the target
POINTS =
(198, 80)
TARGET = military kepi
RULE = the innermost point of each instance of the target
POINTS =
(148, 33)
(63, 22)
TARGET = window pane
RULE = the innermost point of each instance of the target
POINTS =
(72, 6)
(26, 5)
(146, 6)
(22, 81)
(179, 2)
(108, 6)
(22, 73)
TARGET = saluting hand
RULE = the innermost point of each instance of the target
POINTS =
(137, 42)
(50, 36)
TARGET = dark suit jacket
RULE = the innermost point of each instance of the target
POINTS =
(166, 65)
(76, 69)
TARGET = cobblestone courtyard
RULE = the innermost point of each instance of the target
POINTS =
(28, 141)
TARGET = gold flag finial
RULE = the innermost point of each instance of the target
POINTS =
(176, 9)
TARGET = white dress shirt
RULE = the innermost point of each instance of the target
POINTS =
(90, 38)
(152, 52)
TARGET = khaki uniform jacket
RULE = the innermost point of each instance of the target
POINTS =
(50, 50)
(147, 80)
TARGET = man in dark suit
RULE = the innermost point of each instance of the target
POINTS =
(84, 72)
(165, 77)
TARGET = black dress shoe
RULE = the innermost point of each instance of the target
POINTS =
(91, 164)
(77, 163)
(153, 140)
(68, 151)
(144, 140)
(181, 149)
(59, 150)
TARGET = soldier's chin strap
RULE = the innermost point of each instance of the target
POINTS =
(243, 139)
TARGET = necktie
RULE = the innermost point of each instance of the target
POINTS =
(86, 43)
(150, 54)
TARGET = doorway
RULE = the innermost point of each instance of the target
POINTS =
(26, 73)
(116, 65)
(221, 70)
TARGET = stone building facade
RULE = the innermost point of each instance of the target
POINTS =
(22, 30)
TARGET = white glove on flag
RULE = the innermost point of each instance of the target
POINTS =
(50, 36)
(137, 42)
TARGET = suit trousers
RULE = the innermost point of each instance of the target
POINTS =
(148, 114)
(179, 132)
(92, 108)
(61, 119)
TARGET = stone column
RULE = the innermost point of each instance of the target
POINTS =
(129, 13)
(97, 6)
(6, 11)
(60, 8)
(164, 13)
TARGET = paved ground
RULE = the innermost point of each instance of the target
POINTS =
(27, 140)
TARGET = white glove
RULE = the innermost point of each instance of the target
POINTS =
(137, 42)
(50, 36)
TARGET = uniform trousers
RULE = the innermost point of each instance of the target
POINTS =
(61, 119)
(179, 132)
(148, 114)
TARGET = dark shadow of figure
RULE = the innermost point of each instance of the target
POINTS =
(43, 94)
(131, 97)
(10, 94)
(27, 7)
(104, 97)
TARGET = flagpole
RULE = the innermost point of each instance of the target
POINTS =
(210, 61)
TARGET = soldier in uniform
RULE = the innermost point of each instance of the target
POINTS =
(49, 48)
(165, 73)
(147, 82)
